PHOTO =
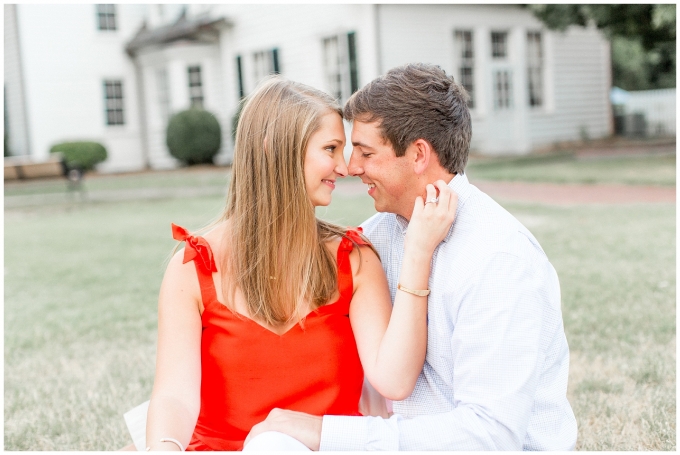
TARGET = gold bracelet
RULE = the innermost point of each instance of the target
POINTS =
(418, 292)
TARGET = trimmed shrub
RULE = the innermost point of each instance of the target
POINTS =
(194, 136)
(82, 155)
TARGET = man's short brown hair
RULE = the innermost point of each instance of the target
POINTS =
(417, 101)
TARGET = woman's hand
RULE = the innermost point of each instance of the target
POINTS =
(431, 221)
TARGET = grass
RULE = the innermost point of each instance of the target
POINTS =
(617, 273)
(566, 168)
(81, 282)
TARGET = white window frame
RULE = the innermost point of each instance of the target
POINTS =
(263, 65)
(502, 89)
(113, 102)
(195, 84)
(494, 46)
(465, 60)
(106, 17)
(337, 65)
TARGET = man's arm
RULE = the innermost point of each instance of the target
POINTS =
(508, 316)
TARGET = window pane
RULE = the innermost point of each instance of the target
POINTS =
(534, 69)
(113, 102)
(499, 44)
(466, 62)
(195, 86)
(332, 66)
(502, 89)
(106, 17)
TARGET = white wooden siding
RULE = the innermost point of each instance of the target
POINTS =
(581, 80)
(19, 143)
(66, 60)
(297, 31)
(576, 71)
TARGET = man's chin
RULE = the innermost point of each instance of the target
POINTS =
(380, 207)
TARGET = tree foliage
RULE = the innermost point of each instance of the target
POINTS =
(642, 36)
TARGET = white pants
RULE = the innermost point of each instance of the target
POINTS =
(272, 441)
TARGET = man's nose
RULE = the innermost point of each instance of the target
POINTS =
(354, 168)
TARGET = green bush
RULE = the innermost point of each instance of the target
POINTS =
(194, 136)
(83, 155)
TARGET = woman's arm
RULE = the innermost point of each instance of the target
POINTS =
(392, 347)
(175, 399)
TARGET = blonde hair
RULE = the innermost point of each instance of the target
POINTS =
(277, 256)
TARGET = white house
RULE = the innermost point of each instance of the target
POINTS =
(115, 73)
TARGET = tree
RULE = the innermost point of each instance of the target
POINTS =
(642, 37)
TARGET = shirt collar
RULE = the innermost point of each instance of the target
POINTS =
(460, 185)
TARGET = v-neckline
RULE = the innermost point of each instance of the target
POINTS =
(240, 316)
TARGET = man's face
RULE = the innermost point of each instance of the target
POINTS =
(388, 177)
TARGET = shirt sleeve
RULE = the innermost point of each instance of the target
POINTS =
(508, 315)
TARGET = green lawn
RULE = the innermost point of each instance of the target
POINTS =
(566, 168)
(81, 282)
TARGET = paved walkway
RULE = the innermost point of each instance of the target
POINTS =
(571, 194)
(556, 194)
(542, 193)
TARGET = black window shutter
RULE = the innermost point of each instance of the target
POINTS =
(353, 74)
(241, 92)
(275, 57)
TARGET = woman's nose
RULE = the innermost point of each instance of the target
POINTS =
(341, 167)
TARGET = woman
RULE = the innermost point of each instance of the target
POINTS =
(256, 314)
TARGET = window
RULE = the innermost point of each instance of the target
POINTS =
(499, 44)
(163, 91)
(535, 68)
(106, 17)
(466, 62)
(502, 89)
(340, 65)
(195, 87)
(265, 63)
(113, 100)
(333, 66)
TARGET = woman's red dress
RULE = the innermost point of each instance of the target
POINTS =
(247, 370)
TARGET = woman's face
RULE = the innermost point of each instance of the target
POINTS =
(324, 159)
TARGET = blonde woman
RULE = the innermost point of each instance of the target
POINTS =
(274, 308)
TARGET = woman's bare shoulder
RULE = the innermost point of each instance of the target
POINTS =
(217, 233)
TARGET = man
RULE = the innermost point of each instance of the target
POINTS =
(495, 376)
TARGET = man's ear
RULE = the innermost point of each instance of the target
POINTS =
(421, 155)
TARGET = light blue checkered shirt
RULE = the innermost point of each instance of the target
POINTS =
(495, 375)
